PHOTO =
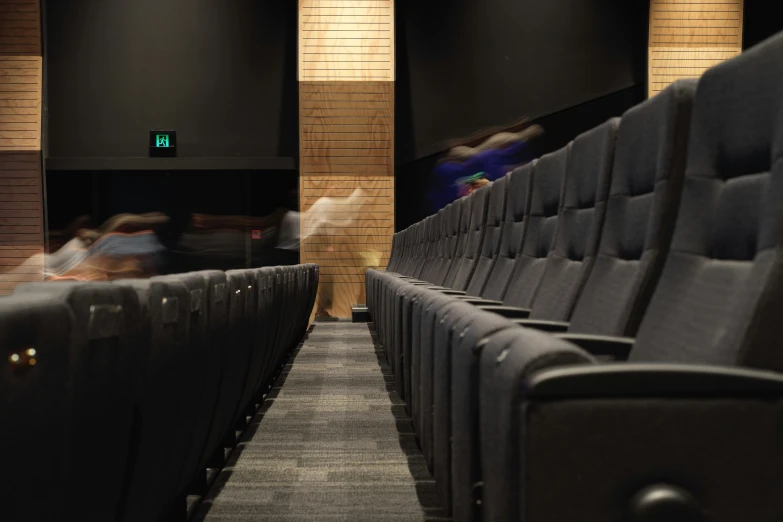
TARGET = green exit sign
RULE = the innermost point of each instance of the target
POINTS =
(163, 144)
(162, 140)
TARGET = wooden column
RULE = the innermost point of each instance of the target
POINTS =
(688, 37)
(346, 119)
(21, 205)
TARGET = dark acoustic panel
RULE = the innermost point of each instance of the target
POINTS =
(222, 73)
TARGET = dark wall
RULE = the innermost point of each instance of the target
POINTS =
(471, 64)
(761, 19)
(411, 204)
(220, 73)
(467, 65)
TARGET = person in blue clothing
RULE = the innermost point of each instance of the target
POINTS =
(491, 158)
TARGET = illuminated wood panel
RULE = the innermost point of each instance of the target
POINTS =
(346, 115)
(687, 37)
(346, 184)
(21, 202)
(346, 40)
(352, 233)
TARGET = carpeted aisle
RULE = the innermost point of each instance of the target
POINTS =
(333, 444)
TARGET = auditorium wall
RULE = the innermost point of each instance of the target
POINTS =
(21, 196)
(473, 64)
(222, 74)
(469, 64)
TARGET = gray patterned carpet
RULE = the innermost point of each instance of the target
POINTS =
(334, 443)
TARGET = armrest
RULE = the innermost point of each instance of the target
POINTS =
(546, 326)
(603, 346)
(449, 291)
(510, 312)
(478, 300)
(651, 380)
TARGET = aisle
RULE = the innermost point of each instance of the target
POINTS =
(333, 444)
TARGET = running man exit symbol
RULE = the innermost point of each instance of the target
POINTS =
(163, 143)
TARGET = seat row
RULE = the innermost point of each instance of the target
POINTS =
(116, 397)
(598, 334)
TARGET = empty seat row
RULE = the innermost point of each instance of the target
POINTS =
(597, 335)
(116, 397)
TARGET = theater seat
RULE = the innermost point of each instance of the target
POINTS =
(205, 365)
(694, 414)
(35, 333)
(106, 360)
(164, 406)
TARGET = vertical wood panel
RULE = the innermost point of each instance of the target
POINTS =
(346, 40)
(346, 113)
(21, 205)
(687, 37)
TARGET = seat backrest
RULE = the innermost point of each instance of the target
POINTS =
(512, 233)
(433, 246)
(429, 246)
(107, 358)
(462, 225)
(580, 222)
(166, 407)
(473, 237)
(415, 249)
(721, 291)
(207, 314)
(445, 245)
(539, 240)
(450, 231)
(405, 238)
(395, 252)
(493, 229)
(647, 178)
(421, 247)
(35, 333)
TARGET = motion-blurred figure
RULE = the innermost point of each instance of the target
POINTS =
(488, 155)
(125, 246)
(319, 222)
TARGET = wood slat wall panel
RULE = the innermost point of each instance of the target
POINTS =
(346, 40)
(360, 239)
(687, 37)
(21, 202)
(346, 111)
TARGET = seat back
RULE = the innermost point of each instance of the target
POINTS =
(432, 247)
(446, 244)
(35, 348)
(512, 234)
(107, 357)
(541, 228)
(460, 238)
(207, 363)
(473, 237)
(427, 247)
(580, 222)
(721, 291)
(647, 179)
(165, 407)
(395, 253)
(493, 229)
(419, 248)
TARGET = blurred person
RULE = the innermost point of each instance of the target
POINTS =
(288, 235)
(319, 221)
(471, 184)
(103, 253)
(491, 153)
(220, 242)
